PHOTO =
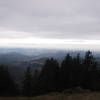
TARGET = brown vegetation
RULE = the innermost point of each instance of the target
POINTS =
(60, 96)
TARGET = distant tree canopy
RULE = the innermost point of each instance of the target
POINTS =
(54, 76)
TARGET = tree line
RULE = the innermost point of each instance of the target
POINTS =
(53, 77)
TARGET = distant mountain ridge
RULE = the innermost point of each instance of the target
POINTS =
(15, 55)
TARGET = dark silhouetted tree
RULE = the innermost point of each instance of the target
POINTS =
(8, 87)
(35, 82)
(66, 72)
(89, 70)
(77, 68)
(27, 85)
(49, 76)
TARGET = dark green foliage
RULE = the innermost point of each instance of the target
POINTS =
(48, 79)
(53, 77)
(35, 82)
(66, 71)
(79, 72)
(89, 71)
(27, 86)
(7, 85)
(76, 71)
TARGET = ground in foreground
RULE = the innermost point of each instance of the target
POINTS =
(75, 96)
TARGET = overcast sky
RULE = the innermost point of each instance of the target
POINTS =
(61, 20)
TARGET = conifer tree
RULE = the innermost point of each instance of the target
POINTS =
(8, 87)
(66, 72)
(35, 82)
(49, 76)
(89, 70)
(77, 68)
(27, 85)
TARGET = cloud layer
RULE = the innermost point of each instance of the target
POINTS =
(68, 19)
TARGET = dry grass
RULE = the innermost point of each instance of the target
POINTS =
(81, 96)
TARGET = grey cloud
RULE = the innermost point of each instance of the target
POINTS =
(51, 18)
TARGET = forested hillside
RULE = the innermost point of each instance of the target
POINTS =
(53, 76)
